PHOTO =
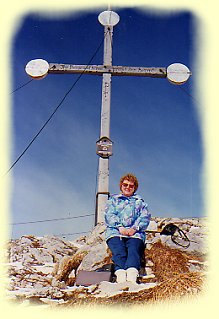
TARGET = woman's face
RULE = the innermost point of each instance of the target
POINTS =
(128, 188)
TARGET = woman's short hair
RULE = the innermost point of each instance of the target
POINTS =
(130, 177)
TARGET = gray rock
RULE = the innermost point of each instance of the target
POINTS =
(97, 235)
(94, 258)
(152, 225)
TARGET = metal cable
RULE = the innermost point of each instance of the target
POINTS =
(50, 220)
(20, 87)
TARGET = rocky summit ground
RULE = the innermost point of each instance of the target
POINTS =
(43, 270)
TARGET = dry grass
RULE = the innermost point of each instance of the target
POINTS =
(167, 261)
(66, 265)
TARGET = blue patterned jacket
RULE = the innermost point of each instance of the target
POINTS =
(127, 212)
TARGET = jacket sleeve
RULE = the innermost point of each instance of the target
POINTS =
(111, 215)
(143, 220)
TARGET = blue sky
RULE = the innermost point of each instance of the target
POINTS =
(155, 125)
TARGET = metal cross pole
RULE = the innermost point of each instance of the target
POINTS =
(176, 73)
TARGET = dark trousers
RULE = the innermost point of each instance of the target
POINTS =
(126, 252)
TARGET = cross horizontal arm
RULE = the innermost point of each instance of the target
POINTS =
(157, 72)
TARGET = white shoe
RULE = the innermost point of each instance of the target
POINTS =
(120, 275)
(132, 274)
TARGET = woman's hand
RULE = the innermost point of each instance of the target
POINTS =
(123, 231)
(127, 231)
(131, 231)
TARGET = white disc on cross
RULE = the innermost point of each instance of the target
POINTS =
(178, 73)
(37, 68)
(108, 18)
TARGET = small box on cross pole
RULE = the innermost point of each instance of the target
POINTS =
(104, 147)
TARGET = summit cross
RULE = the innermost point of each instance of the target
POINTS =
(176, 73)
